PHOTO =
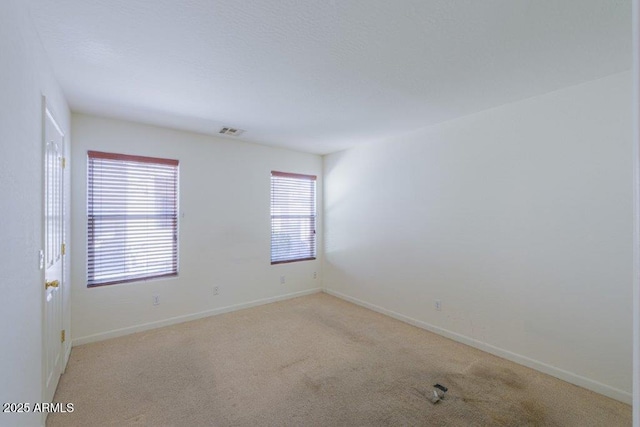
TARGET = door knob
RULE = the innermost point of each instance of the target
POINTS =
(51, 284)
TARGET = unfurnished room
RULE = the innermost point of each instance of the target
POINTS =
(320, 213)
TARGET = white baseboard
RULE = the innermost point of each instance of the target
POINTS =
(186, 318)
(614, 393)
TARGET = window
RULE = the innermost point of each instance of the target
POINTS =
(293, 217)
(132, 211)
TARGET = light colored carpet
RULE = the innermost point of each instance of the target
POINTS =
(312, 361)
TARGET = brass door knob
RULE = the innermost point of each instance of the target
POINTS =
(51, 284)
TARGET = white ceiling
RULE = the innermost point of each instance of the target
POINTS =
(321, 76)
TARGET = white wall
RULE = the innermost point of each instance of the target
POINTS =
(636, 206)
(224, 236)
(519, 219)
(24, 78)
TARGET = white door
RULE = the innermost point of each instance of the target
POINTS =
(53, 253)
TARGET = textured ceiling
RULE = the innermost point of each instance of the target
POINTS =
(321, 76)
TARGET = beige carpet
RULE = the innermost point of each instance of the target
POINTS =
(312, 361)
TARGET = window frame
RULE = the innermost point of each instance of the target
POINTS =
(170, 216)
(314, 216)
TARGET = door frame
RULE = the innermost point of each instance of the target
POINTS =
(635, 120)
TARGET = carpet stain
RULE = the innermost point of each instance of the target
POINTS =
(293, 363)
(505, 376)
(534, 410)
(136, 420)
(499, 394)
(343, 330)
(526, 413)
(314, 386)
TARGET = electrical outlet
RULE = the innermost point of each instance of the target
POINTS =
(438, 305)
(216, 290)
(315, 274)
(283, 280)
(156, 300)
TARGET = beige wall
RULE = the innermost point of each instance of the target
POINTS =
(519, 219)
(224, 230)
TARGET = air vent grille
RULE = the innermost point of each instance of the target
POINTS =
(231, 131)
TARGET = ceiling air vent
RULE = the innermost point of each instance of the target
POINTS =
(231, 131)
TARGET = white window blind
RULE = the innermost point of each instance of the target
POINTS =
(293, 217)
(132, 210)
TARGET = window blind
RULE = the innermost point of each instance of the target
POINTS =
(293, 217)
(132, 211)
